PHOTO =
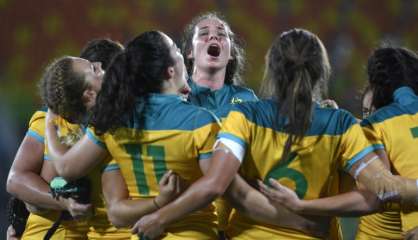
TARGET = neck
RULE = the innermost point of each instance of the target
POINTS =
(214, 80)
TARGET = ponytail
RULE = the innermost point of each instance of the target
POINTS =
(139, 70)
(297, 61)
(297, 106)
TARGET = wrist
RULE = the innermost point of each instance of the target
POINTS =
(156, 204)
(300, 207)
(160, 201)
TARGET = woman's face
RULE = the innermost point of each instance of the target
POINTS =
(211, 45)
(93, 72)
(180, 73)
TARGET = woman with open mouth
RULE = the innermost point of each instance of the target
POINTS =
(214, 61)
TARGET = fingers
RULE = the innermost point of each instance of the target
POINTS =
(135, 228)
(78, 210)
(276, 185)
(264, 188)
(329, 103)
(178, 185)
(172, 182)
(164, 179)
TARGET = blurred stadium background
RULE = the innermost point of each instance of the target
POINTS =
(35, 32)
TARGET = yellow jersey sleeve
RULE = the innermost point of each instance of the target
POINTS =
(110, 165)
(236, 128)
(205, 136)
(374, 135)
(98, 140)
(354, 146)
(37, 126)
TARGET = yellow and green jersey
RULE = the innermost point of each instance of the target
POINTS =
(38, 225)
(334, 142)
(98, 226)
(394, 128)
(169, 134)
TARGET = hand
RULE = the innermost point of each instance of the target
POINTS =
(77, 210)
(149, 226)
(171, 185)
(279, 194)
(329, 103)
(412, 234)
(11, 234)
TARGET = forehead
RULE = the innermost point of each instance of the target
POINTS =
(80, 64)
(167, 39)
(211, 22)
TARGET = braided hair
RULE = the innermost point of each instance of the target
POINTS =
(62, 90)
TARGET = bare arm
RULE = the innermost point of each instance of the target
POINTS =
(254, 204)
(122, 210)
(353, 203)
(357, 202)
(77, 161)
(213, 184)
(24, 180)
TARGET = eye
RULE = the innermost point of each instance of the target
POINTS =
(222, 34)
(203, 33)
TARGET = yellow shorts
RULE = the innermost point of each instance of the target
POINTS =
(111, 232)
(37, 226)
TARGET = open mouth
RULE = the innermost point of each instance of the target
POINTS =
(214, 50)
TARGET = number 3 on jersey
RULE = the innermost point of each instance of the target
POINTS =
(281, 170)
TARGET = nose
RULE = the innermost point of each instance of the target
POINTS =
(213, 36)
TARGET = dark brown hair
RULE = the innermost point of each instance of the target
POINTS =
(235, 66)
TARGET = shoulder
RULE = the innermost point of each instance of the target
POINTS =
(242, 93)
(331, 121)
(388, 112)
(38, 116)
(258, 112)
(188, 116)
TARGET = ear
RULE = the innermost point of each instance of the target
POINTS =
(170, 72)
(89, 97)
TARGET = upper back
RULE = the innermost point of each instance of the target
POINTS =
(395, 128)
(334, 141)
(165, 133)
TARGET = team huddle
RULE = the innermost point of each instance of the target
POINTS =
(149, 141)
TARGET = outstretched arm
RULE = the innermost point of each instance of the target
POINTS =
(354, 203)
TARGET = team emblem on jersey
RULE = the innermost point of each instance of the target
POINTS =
(236, 100)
